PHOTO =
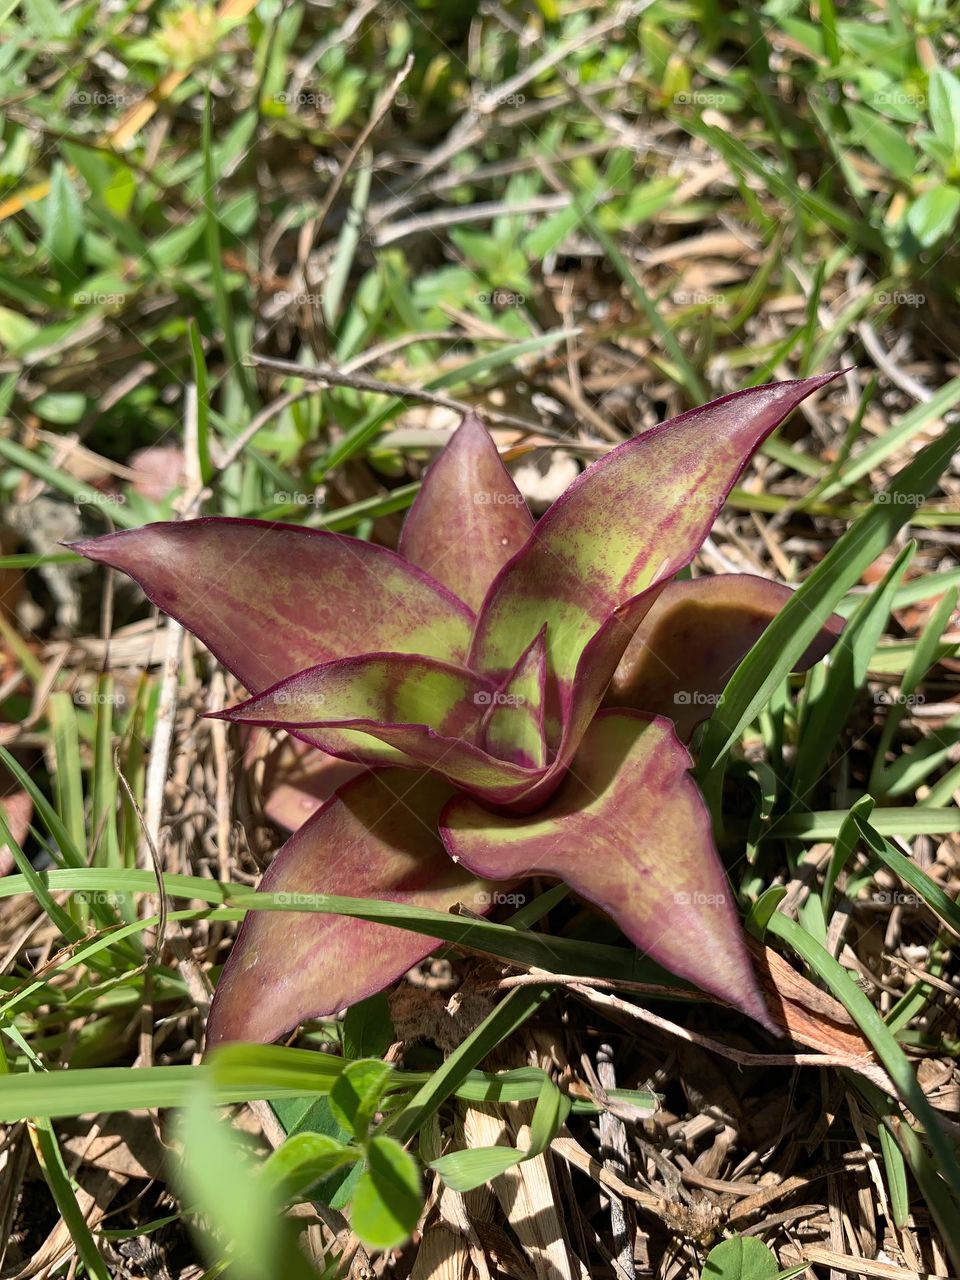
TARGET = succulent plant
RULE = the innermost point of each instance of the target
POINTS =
(520, 695)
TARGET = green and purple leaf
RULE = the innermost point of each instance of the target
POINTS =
(513, 727)
(377, 838)
(377, 710)
(630, 522)
(370, 690)
(271, 599)
(629, 831)
(469, 517)
(692, 640)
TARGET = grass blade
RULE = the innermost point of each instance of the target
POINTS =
(793, 629)
(844, 988)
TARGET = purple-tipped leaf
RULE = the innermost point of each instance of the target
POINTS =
(372, 689)
(392, 708)
(628, 830)
(691, 641)
(271, 599)
(376, 839)
(632, 520)
(469, 517)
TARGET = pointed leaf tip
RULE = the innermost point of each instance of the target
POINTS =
(629, 831)
(469, 517)
(631, 520)
(271, 599)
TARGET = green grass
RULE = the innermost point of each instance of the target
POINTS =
(517, 251)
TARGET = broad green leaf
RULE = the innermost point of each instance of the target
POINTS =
(63, 408)
(884, 141)
(934, 214)
(549, 1117)
(16, 330)
(63, 221)
(367, 1029)
(311, 1116)
(944, 103)
(304, 1159)
(388, 1198)
(464, 1170)
(742, 1258)
(357, 1094)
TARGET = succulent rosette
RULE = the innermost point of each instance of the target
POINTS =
(519, 695)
